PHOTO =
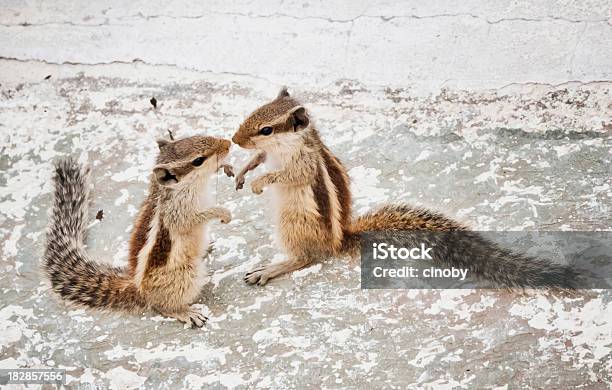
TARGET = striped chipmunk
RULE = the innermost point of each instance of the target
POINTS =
(313, 205)
(165, 268)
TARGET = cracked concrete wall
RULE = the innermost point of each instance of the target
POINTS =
(473, 44)
(497, 113)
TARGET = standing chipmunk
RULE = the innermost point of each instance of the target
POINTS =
(165, 271)
(313, 202)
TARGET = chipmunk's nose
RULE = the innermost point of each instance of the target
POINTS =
(242, 141)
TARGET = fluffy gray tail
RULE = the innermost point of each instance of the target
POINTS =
(488, 260)
(72, 274)
(455, 246)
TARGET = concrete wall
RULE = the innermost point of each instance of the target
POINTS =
(467, 44)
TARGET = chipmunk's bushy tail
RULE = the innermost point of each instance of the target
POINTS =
(72, 274)
(396, 217)
(458, 247)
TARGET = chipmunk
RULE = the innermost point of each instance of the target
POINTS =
(165, 269)
(313, 204)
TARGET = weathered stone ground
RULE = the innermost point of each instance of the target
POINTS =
(497, 114)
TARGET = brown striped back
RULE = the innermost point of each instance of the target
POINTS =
(161, 249)
(321, 195)
(338, 176)
(139, 234)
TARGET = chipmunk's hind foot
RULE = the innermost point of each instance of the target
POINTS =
(189, 316)
(257, 276)
(262, 274)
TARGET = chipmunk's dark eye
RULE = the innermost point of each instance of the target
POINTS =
(265, 130)
(198, 161)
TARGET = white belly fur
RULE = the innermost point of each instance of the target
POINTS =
(290, 198)
(206, 201)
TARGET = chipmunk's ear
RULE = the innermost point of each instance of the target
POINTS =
(283, 93)
(164, 175)
(298, 118)
(161, 142)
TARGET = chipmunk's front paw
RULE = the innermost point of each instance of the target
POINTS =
(258, 276)
(228, 170)
(257, 186)
(225, 216)
(240, 181)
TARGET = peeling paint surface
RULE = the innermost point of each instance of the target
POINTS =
(492, 140)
